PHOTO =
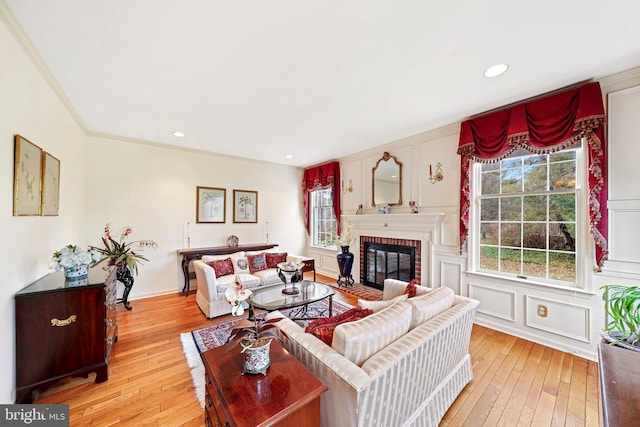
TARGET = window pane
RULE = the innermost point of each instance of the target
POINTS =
(562, 175)
(489, 210)
(535, 160)
(491, 183)
(534, 236)
(489, 258)
(490, 166)
(535, 208)
(489, 233)
(510, 235)
(562, 266)
(510, 260)
(562, 156)
(512, 180)
(534, 263)
(535, 178)
(511, 163)
(562, 207)
(511, 208)
(562, 236)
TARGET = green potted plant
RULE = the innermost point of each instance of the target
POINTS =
(622, 305)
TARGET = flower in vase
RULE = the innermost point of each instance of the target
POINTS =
(72, 256)
(120, 251)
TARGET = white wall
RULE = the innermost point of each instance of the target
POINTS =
(30, 108)
(152, 189)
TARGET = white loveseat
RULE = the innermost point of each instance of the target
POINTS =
(403, 365)
(210, 293)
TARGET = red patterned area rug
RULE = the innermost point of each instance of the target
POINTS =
(218, 334)
(360, 291)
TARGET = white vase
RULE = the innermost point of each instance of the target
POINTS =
(77, 270)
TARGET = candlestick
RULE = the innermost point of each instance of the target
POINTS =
(430, 170)
(267, 231)
(188, 236)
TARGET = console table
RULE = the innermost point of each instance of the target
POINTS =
(619, 385)
(64, 328)
(288, 395)
(190, 254)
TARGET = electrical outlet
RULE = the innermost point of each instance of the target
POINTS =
(542, 310)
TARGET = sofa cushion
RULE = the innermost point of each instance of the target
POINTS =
(274, 259)
(257, 262)
(381, 305)
(426, 306)
(248, 280)
(223, 282)
(358, 340)
(240, 265)
(222, 267)
(323, 328)
(268, 276)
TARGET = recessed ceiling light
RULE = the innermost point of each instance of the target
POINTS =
(179, 134)
(289, 156)
(496, 70)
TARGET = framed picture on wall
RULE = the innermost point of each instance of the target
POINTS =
(210, 204)
(50, 185)
(245, 206)
(27, 177)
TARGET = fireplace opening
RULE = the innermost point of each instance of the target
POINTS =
(388, 261)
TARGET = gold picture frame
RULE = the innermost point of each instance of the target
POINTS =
(245, 206)
(50, 185)
(211, 205)
(27, 178)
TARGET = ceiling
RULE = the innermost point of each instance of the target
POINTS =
(317, 80)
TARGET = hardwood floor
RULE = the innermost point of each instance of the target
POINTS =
(516, 382)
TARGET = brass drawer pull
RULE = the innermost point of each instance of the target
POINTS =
(65, 322)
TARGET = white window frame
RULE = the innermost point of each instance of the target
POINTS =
(315, 226)
(584, 240)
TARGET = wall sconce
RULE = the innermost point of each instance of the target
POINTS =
(438, 176)
(349, 189)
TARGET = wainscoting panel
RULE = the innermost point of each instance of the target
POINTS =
(451, 276)
(494, 302)
(557, 317)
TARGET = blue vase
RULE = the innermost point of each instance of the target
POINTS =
(345, 263)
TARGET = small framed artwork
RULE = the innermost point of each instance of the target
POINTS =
(27, 177)
(210, 204)
(245, 206)
(50, 185)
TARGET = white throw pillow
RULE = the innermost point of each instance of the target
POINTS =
(359, 340)
(381, 305)
(240, 265)
(429, 305)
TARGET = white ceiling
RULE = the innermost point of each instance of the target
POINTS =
(314, 79)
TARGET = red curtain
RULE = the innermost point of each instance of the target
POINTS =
(323, 176)
(542, 126)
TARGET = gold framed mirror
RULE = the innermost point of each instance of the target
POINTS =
(387, 181)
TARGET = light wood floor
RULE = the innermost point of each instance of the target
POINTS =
(516, 382)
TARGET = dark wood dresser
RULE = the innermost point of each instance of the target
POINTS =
(619, 370)
(289, 395)
(64, 328)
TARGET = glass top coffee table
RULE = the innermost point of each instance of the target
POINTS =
(272, 298)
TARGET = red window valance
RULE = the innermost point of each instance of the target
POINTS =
(323, 176)
(542, 126)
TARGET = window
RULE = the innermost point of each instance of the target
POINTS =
(323, 221)
(528, 216)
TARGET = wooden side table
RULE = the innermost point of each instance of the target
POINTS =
(619, 385)
(309, 264)
(289, 395)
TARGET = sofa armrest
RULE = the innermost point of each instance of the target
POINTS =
(394, 287)
(206, 279)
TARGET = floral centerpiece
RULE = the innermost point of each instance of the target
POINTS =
(73, 260)
(120, 252)
(346, 238)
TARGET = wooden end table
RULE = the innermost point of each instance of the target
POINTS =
(288, 395)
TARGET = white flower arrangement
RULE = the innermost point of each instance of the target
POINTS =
(346, 238)
(72, 256)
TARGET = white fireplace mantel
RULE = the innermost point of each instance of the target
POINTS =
(424, 227)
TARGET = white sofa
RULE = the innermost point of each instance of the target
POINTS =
(210, 293)
(403, 365)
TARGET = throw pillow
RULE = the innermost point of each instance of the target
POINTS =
(429, 305)
(240, 265)
(257, 262)
(222, 267)
(323, 328)
(411, 289)
(381, 305)
(274, 259)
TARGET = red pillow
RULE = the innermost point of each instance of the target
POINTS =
(411, 289)
(274, 259)
(222, 267)
(325, 327)
(257, 262)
